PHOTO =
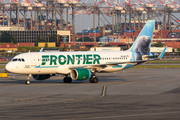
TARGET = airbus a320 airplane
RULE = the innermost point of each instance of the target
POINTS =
(84, 65)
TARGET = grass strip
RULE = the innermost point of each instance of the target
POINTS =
(163, 62)
(2, 66)
(4, 62)
(157, 66)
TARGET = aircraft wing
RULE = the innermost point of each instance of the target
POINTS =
(111, 64)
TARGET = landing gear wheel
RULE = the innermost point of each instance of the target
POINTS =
(27, 82)
(93, 80)
(67, 80)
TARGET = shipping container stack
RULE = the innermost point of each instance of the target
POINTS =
(174, 34)
(8, 46)
(157, 24)
(5, 20)
(89, 43)
(107, 32)
(173, 44)
(80, 35)
(89, 33)
(94, 33)
(136, 33)
(129, 33)
(155, 36)
(163, 33)
(43, 23)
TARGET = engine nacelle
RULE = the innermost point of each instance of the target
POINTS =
(41, 77)
(80, 74)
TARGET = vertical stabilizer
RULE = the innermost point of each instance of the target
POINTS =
(143, 41)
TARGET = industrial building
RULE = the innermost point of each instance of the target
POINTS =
(31, 36)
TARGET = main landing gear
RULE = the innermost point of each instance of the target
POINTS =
(28, 81)
(93, 78)
(67, 79)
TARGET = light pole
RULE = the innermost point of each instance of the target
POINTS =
(48, 37)
(161, 33)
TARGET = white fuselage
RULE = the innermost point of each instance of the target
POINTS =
(62, 62)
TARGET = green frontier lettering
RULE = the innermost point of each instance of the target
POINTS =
(89, 57)
(84, 59)
(53, 59)
(45, 58)
(79, 58)
(70, 59)
(61, 57)
(96, 59)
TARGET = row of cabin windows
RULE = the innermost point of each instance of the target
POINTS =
(88, 59)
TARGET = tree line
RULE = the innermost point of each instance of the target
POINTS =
(7, 38)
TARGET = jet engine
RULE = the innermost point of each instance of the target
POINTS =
(80, 74)
(41, 77)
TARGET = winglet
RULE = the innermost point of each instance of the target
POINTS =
(162, 53)
(41, 50)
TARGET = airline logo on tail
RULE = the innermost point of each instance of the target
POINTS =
(143, 41)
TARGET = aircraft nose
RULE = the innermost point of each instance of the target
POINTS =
(8, 68)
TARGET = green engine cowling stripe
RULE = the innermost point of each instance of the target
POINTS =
(82, 74)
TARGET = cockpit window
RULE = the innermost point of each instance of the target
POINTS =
(18, 59)
(14, 60)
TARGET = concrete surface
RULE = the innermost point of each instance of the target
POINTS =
(133, 94)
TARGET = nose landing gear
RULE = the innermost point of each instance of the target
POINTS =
(28, 81)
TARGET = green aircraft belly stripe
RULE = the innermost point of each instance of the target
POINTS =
(46, 66)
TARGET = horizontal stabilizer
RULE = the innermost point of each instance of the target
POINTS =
(146, 57)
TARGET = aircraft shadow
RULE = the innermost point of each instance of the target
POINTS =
(49, 81)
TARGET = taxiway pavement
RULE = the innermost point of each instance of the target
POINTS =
(136, 94)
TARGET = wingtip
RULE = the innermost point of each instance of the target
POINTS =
(162, 53)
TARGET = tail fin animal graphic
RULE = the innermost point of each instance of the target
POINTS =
(143, 41)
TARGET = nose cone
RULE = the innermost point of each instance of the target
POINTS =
(9, 67)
